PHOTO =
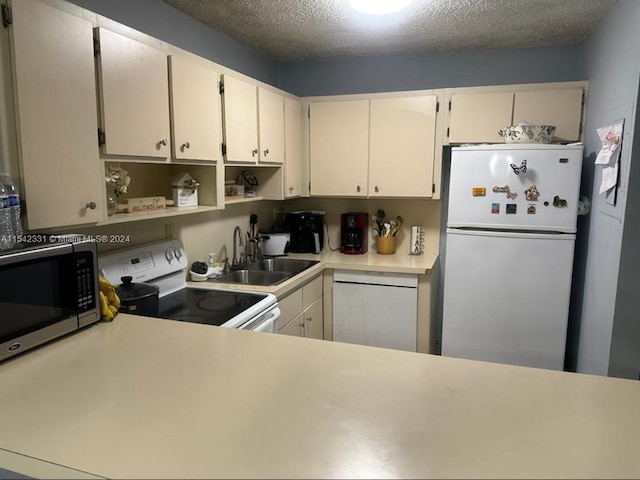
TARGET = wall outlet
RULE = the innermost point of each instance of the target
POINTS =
(169, 231)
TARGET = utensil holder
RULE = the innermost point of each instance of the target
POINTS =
(386, 245)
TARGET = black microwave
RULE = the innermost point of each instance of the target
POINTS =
(46, 291)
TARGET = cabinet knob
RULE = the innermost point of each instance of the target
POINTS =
(162, 141)
(90, 205)
(358, 188)
(376, 189)
(185, 145)
(290, 189)
(254, 152)
(266, 152)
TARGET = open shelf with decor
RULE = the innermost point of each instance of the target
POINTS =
(264, 183)
(151, 192)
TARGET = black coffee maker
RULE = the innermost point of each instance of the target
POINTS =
(306, 232)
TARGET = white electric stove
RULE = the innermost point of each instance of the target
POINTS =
(165, 264)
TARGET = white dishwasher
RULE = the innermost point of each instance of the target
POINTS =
(376, 309)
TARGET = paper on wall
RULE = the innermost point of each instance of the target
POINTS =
(609, 155)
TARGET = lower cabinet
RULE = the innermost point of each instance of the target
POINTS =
(302, 312)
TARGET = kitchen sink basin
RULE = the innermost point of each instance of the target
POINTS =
(288, 265)
(254, 277)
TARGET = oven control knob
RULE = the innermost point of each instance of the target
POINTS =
(177, 253)
(168, 255)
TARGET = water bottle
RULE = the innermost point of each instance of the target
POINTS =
(14, 201)
(6, 229)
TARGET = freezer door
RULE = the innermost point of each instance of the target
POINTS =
(491, 188)
(506, 297)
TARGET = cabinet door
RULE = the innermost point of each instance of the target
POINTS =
(562, 108)
(57, 117)
(313, 320)
(477, 117)
(402, 146)
(271, 126)
(134, 97)
(293, 148)
(196, 130)
(295, 327)
(240, 119)
(339, 148)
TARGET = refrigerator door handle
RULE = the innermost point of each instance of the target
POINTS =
(512, 234)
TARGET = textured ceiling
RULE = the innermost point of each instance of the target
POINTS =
(303, 30)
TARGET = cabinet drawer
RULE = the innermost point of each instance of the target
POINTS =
(290, 306)
(311, 291)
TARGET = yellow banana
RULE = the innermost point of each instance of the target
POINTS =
(105, 312)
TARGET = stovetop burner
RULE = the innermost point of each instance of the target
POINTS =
(211, 307)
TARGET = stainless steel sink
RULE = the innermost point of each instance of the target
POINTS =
(254, 277)
(288, 265)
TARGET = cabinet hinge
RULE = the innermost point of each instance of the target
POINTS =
(437, 107)
(433, 188)
(7, 16)
(449, 105)
(447, 133)
(96, 46)
(102, 139)
(309, 187)
(223, 147)
(309, 111)
(221, 88)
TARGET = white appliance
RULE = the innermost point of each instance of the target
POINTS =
(375, 309)
(509, 253)
(164, 264)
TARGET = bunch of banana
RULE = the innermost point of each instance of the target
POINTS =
(109, 300)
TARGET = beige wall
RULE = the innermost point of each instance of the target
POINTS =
(201, 233)
(414, 212)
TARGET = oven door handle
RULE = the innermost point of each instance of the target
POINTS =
(267, 325)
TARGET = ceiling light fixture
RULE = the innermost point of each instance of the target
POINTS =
(379, 7)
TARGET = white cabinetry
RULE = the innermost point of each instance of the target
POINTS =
(302, 312)
(402, 146)
(293, 148)
(376, 309)
(240, 120)
(270, 126)
(134, 97)
(196, 130)
(339, 148)
(55, 104)
(383, 147)
(476, 114)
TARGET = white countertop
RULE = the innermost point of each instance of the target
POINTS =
(370, 261)
(150, 398)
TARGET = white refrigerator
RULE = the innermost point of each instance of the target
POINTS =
(509, 253)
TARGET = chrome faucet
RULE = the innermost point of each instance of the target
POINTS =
(236, 232)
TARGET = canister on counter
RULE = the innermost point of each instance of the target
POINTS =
(416, 246)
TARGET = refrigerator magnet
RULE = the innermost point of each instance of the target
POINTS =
(478, 191)
(559, 202)
(512, 208)
(495, 208)
(531, 209)
(512, 195)
(503, 189)
(532, 194)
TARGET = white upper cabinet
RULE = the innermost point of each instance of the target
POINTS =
(56, 117)
(562, 108)
(293, 148)
(339, 148)
(402, 146)
(134, 97)
(196, 127)
(271, 126)
(477, 117)
(240, 120)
